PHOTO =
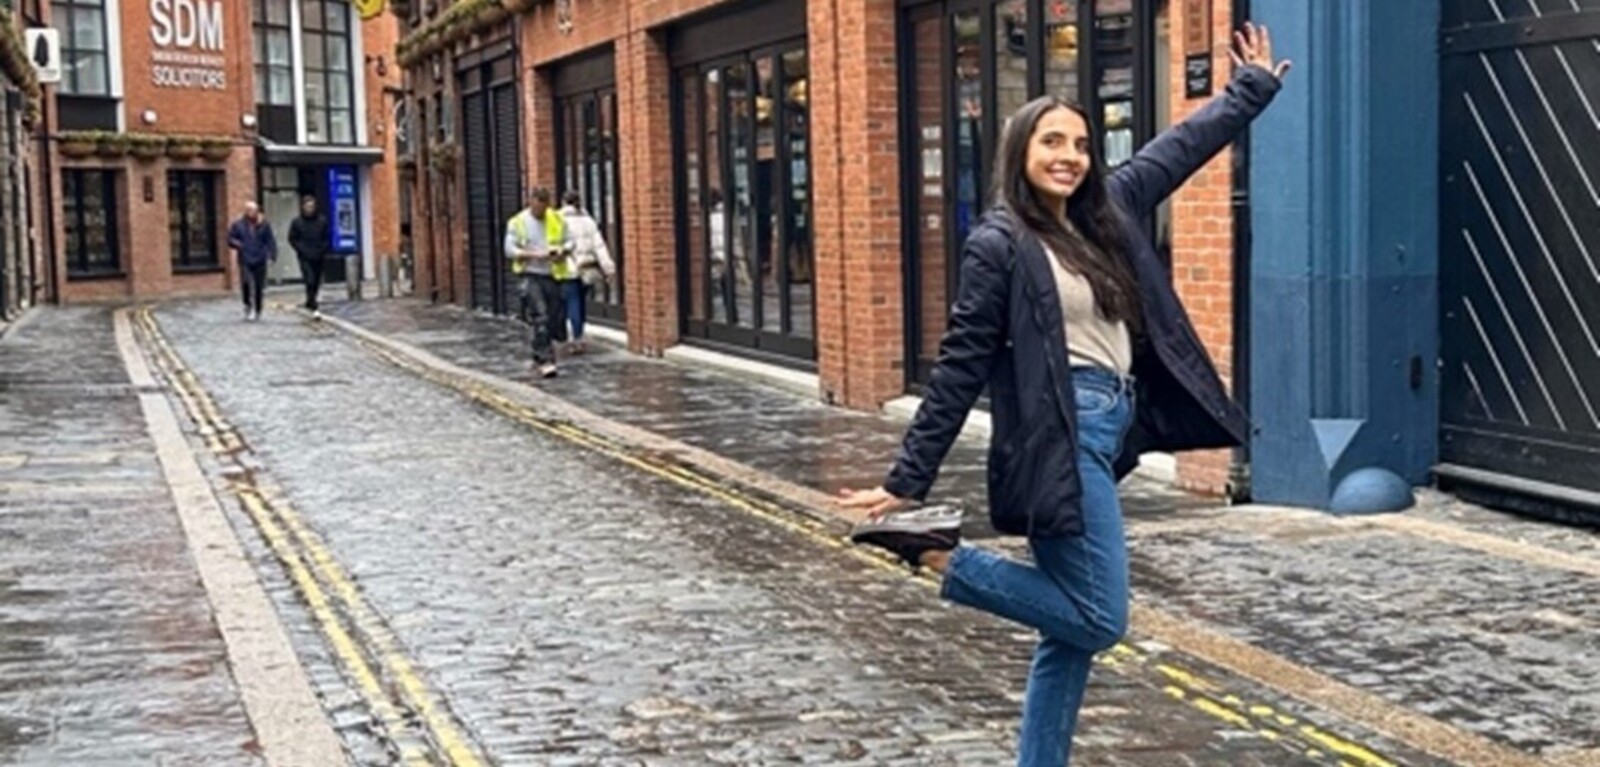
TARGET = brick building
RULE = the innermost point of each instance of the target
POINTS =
(19, 109)
(171, 114)
(790, 180)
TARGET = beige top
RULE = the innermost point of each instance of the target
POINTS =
(1092, 340)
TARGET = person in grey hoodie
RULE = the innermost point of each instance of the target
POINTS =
(309, 237)
(251, 238)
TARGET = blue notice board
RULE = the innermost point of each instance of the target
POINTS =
(344, 224)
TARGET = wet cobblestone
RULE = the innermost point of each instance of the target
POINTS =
(577, 612)
(108, 652)
(1500, 647)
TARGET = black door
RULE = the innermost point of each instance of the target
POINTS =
(491, 141)
(586, 160)
(477, 153)
(1520, 240)
(747, 265)
(965, 66)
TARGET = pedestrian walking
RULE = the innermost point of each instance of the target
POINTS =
(309, 236)
(538, 247)
(591, 265)
(1061, 302)
(251, 238)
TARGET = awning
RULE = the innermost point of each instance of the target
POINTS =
(305, 154)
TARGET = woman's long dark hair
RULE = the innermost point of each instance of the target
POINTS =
(1105, 264)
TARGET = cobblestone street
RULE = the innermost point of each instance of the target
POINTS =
(511, 588)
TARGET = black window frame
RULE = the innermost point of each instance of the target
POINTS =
(260, 28)
(325, 76)
(183, 251)
(64, 18)
(591, 82)
(73, 207)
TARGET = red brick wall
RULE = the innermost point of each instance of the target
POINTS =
(855, 145)
(145, 246)
(378, 37)
(645, 144)
(1202, 244)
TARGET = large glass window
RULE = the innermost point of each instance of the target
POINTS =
(329, 78)
(587, 151)
(85, 51)
(274, 54)
(747, 186)
(192, 219)
(89, 206)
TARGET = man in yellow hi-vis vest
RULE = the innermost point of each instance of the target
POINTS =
(540, 253)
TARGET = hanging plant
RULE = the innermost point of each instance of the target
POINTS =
(146, 147)
(79, 143)
(518, 6)
(183, 147)
(442, 157)
(490, 14)
(112, 145)
(216, 148)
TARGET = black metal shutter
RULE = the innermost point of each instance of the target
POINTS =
(481, 229)
(507, 170)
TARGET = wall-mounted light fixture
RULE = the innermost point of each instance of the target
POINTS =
(149, 116)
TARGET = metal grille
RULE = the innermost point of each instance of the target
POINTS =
(507, 176)
(481, 229)
(1520, 238)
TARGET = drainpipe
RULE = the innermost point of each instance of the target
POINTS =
(1239, 467)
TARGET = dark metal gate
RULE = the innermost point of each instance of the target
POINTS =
(491, 151)
(1520, 246)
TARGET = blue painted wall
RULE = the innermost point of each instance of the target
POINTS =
(1344, 203)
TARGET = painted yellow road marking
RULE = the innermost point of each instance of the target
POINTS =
(283, 528)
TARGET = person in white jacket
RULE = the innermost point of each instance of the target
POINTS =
(592, 260)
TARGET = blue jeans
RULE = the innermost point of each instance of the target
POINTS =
(1076, 591)
(577, 296)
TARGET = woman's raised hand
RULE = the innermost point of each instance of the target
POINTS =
(1252, 46)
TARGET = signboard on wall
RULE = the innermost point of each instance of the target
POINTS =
(369, 9)
(190, 46)
(1197, 48)
(344, 225)
(43, 46)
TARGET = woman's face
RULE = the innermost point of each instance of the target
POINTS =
(1058, 154)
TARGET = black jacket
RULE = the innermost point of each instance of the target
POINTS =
(309, 236)
(1006, 332)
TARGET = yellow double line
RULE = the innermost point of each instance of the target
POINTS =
(1182, 684)
(382, 673)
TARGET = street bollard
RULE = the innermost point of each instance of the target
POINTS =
(352, 277)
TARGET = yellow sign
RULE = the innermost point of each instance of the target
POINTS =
(369, 9)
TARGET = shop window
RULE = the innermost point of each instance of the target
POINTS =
(85, 48)
(89, 208)
(744, 137)
(192, 220)
(329, 78)
(586, 152)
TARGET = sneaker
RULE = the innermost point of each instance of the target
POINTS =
(316, 315)
(548, 370)
(579, 347)
(247, 314)
(909, 534)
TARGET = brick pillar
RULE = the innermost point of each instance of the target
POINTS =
(856, 193)
(1202, 240)
(645, 145)
(539, 145)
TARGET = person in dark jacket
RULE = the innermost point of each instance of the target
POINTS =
(251, 237)
(309, 237)
(1065, 313)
